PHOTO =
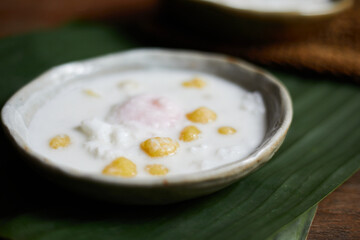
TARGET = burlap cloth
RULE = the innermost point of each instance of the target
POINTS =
(334, 50)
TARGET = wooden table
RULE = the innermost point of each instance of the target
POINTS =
(338, 215)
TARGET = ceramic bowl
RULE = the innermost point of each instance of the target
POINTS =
(220, 21)
(20, 109)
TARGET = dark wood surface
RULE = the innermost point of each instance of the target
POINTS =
(19, 16)
(338, 215)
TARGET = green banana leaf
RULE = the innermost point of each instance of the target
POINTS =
(320, 152)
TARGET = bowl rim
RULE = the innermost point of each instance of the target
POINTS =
(338, 7)
(226, 170)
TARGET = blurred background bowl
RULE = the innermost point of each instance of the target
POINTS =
(220, 21)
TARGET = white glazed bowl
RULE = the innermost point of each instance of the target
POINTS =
(20, 109)
(226, 23)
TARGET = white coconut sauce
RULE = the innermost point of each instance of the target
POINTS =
(100, 132)
(302, 6)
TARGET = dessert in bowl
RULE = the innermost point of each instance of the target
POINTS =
(149, 126)
(256, 20)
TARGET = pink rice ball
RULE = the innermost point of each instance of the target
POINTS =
(148, 110)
